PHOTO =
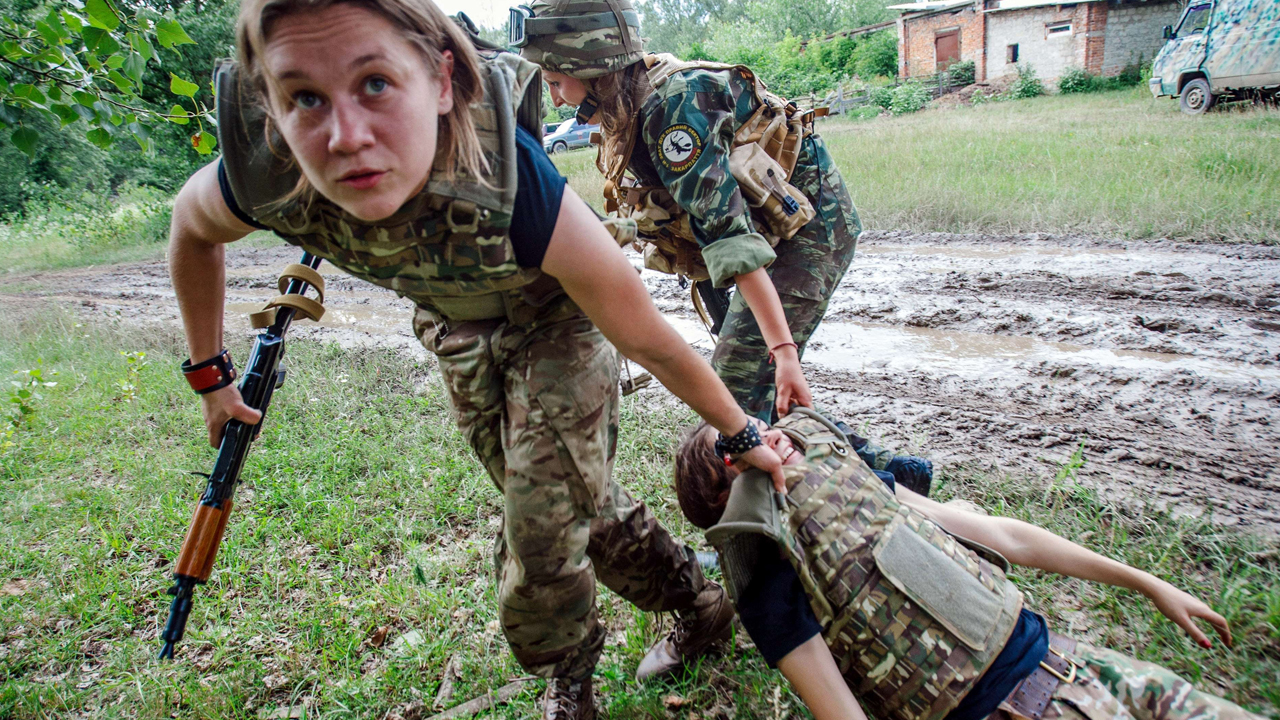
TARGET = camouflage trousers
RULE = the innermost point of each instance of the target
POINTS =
(805, 274)
(539, 405)
(1115, 686)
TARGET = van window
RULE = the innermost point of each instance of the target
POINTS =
(1195, 21)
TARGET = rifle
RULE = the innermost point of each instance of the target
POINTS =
(712, 304)
(262, 376)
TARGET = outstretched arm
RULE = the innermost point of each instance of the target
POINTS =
(1032, 546)
(598, 277)
(814, 676)
(202, 225)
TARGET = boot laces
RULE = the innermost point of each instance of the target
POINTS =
(563, 696)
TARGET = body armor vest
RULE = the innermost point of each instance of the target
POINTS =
(768, 141)
(447, 249)
(913, 617)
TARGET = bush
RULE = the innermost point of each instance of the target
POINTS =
(882, 96)
(961, 73)
(1075, 80)
(908, 98)
(1027, 85)
(877, 55)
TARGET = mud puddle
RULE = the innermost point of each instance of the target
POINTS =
(997, 353)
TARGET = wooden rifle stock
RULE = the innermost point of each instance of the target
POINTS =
(261, 377)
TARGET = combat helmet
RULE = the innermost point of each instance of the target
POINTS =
(583, 39)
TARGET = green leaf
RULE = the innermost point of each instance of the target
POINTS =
(170, 33)
(25, 139)
(122, 82)
(179, 110)
(141, 46)
(142, 134)
(92, 36)
(203, 142)
(54, 92)
(73, 21)
(101, 15)
(135, 66)
(47, 32)
(84, 98)
(99, 137)
(65, 113)
(178, 86)
(29, 92)
(115, 62)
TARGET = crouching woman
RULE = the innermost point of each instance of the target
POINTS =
(860, 593)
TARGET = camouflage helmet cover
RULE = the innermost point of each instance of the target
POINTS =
(582, 38)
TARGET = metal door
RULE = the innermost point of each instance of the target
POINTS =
(947, 46)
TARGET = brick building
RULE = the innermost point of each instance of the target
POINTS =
(1100, 36)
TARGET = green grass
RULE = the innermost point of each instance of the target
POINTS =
(363, 508)
(1114, 163)
(1117, 163)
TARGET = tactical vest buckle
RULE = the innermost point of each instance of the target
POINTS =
(467, 206)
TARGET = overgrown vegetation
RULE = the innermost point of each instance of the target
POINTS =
(357, 562)
(1077, 80)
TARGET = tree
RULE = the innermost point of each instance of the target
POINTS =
(88, 66)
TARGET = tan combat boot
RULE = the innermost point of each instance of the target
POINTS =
(568, 700)
(709, 621)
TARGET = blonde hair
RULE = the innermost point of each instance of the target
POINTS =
(420, 22)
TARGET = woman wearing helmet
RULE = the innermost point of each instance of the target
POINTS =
(727, 182)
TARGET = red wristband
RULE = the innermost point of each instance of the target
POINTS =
(781, 345)
(213, 374)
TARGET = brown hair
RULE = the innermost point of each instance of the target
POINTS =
(702, 479)
(420, 22)
(620, 95)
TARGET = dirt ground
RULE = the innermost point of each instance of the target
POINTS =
(999, 353)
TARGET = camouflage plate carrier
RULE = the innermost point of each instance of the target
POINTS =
(446, 249)
(913, 617)
(765, 149)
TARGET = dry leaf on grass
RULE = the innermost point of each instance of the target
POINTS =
(675, 702)
(379, 636)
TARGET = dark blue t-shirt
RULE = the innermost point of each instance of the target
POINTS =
(539, 189)
(776, 613)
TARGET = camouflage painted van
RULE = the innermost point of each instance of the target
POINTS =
(1221, 49)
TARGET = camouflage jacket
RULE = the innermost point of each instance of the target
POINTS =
(682, 142)
(446, 249)
(913, 617)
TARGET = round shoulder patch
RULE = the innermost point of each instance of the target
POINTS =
(679, 147)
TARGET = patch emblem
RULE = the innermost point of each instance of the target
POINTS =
(679, 147)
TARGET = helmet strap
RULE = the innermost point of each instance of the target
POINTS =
(590, 105)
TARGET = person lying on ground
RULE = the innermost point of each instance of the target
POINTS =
(858, 591)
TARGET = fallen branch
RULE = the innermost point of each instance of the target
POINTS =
(484, 702)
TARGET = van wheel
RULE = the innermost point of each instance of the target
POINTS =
(1196, 97)
(559, 147)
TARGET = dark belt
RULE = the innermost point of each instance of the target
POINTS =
(1030, 698)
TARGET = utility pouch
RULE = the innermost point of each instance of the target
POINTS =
(763, 181)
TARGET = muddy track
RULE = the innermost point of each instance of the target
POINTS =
(1001, 353)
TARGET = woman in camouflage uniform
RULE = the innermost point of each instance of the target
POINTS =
(373, 134)
(860, 592)
(681, 131)
(676, 138)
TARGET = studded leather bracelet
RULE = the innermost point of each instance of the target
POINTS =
(732, 447)
(209, 375)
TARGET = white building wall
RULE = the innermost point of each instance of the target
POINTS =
(1133, 33)
(1048, 56)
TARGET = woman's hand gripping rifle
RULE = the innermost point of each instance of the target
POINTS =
(262, 376)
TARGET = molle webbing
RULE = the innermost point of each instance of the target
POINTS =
(912, 617)
(447, 249)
